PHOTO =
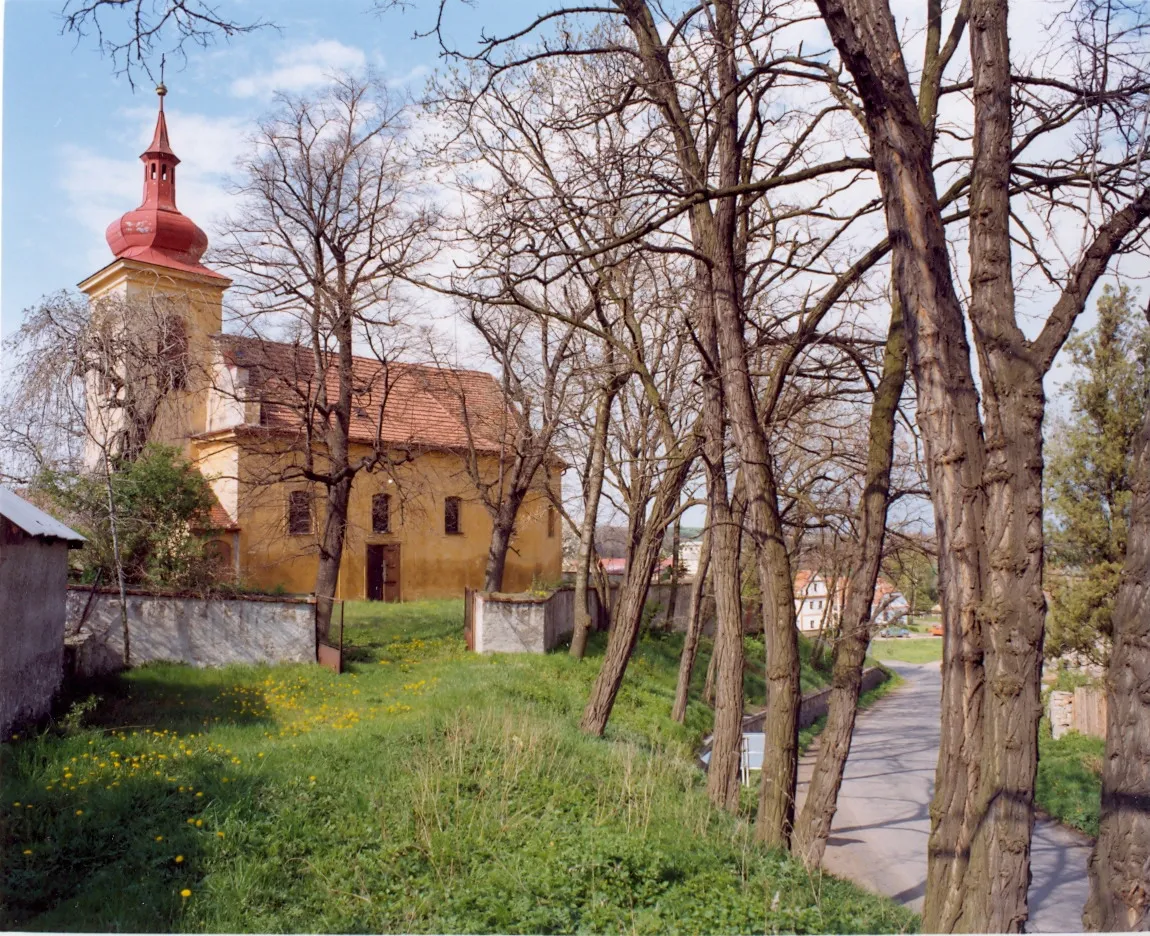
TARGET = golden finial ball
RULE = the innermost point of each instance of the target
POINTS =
(161, 89)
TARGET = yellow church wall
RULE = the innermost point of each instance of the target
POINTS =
(433, 563)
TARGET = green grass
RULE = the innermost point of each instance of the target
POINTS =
(1069, 782)
(907, 649)
(425, 790)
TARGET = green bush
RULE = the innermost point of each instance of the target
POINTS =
(162, 508)
(1069, 782)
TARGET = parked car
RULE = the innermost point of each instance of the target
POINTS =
(936, 630)
(894, 632)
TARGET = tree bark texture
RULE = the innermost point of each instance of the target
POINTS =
(814, 824)
(694, 629)
(727, 734)
(629, 610)
(1013, 608)
(502, 529)
(1120, 863)
(865, 34)
(331, 553)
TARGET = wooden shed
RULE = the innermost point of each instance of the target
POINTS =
(33, 593)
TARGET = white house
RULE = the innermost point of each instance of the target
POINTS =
(817, 607)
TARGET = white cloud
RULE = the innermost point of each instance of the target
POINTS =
(99, 188)
(301, 67)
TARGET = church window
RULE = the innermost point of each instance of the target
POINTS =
(451, 515)
(153, 170)
(299, 513)
(381, 513)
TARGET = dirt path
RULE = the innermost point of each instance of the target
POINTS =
(881, 827)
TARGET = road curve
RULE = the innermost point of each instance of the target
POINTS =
(880, 830)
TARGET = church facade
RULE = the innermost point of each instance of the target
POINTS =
(416, 525)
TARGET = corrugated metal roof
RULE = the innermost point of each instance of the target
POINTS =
(32, 520)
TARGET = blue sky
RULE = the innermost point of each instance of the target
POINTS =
(73, 130)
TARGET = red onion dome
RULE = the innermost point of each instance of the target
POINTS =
(157, 232)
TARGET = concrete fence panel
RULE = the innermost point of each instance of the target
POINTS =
(198, 631)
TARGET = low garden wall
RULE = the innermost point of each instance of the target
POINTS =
(814, 705)
(199, 631)
(524, 623)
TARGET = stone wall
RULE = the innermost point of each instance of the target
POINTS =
(525, 623)
(814, 706)
(1083, 710)
(197, 631)
(33, 578)
(815, 703)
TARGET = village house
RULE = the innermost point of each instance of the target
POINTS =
(818, 604)
(416, 528)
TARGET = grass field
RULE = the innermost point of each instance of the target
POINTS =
(425, 790)
(907, 649)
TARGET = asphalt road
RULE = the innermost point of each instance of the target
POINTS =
(880, 830)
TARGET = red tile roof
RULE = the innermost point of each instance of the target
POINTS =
(422, 407)
(219, 518)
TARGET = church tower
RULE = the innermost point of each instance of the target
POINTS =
(157, 276)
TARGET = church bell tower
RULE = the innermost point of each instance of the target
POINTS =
(157, 271)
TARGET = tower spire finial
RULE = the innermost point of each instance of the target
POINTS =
(161, 88)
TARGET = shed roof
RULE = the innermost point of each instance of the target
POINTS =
(32, 520)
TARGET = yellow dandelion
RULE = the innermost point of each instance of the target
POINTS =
(200, 793)
(191, 822)
(199, 823)
(159, 838)
(219, 835)
(27, 851)
(79, 812)
(179, 859)
(185, 893)
(17, 805)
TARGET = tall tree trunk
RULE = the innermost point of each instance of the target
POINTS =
(590, 514)
(814, 824)
(865, 34)
(502, 529)
(694, 628)
(629, 610)
(114, 526)
(676, 538)
(1120, 863)
(709, 681)
(1013, 607)
(727, 734)
(331, 553)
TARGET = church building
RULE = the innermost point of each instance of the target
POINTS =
(417, 527)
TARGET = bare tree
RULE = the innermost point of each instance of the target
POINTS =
(985, 475)
(92, 384)
(330, 221)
